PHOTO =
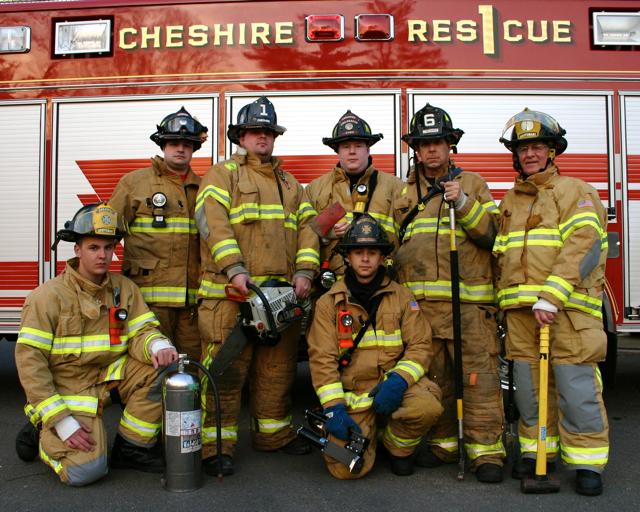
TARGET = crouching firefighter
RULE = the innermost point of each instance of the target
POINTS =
(369, 346)
(87, 338)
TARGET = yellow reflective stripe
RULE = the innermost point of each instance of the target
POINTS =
(430, 225)
(270, 425)
(358, 402)
(88, 343)
(256, 211)
(174, 225)
(32, 414)
(35, 338)
(442, 289)
(224, 248)
(218, 194)
(56, 465)
(472, 219)
(386, 222)
(399, 442)
(558, 287)
(527, 294)
(50, 407)
(578, 221)
(584, 303)
(81, 403)
(595, 456)
(449, 444)
(541, 237)
(229, 433)
(531, 445)
(115, 371)
(330, 392)
(599, 377)
(306, 209)
(291, 222)
(143, 428)
(379, 338)
(211, 290)
(481, 450)
(308, 255)
(259, 280)
(491, 207)
(137, 323)
(411, 367)
(147, 343)
(230, 166)
(175, 294)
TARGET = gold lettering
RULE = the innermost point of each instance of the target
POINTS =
(466, 31)
(441, 31)
(153, 36)
(260, 31)
(284, 32)
(219, 33)
(488, 39)
(417, 31)
(124, 32)
(198, 35)
(242, 28)
(508, 35)
(531, 36)
(561, 31)
(173, 37)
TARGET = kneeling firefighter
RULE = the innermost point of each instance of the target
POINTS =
(369, 346)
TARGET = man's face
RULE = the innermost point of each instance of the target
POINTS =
(177, 155)
(95, 255)
(259, 142)
(532, 156)
(434, 155)
(365, 262)
(354, 156)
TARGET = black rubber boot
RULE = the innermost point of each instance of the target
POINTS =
(489, 473)
(526, 468)
(27, 443)
(427, 459)
(126, 455)
(210, 465)
(299, 446)
(588, 483)
(401, 466)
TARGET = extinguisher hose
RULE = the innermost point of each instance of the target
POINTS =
(216, 401)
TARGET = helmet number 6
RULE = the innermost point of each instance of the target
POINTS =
(429, 120)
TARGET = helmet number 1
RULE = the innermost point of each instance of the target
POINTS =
(263, 109)
(429, 120)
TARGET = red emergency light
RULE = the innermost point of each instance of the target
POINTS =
(324, 27)
(374, 27)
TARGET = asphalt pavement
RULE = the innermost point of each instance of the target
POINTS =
(278, 482)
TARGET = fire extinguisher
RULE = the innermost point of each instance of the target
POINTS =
(182, 426)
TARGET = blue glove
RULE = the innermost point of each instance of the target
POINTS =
(388, 394)
(339, 422)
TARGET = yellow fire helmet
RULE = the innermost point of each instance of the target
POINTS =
(97, 219)
(531, 125)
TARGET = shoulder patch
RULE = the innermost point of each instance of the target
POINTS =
(585, 203)
(231, 166)
(414, 306)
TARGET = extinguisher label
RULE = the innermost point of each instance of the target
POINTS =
(187, 425)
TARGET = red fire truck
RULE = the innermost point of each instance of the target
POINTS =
(83, 84)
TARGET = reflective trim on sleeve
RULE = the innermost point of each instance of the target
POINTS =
(224, 248)
(32, 414)
(357, 402)
(115, 371)
(306, 209)
(211, 290)
(35, 338)
(411, 367)
(82, 403)
(473, 218)
(135, 324)
(581, 220)
(386, 222)
(558, 287)
(174, 225)
(175, 294)
(50, 407)
(308, 255)
(218, 194)
(491, 207)
(330, 392)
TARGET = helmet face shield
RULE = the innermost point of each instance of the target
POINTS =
(99, 220)
(180, 126)
(532, 125)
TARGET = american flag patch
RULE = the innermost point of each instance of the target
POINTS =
(585, 202)
(414, 306)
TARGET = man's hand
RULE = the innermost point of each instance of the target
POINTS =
(164, 357)
(240, 281)
(81, 439)
(544, 317)
(302, 286)
(452, 191)
(340, 228)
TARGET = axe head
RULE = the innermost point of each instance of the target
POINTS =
(323, 222)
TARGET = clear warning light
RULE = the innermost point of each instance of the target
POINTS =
(324, 27)
(374, 27)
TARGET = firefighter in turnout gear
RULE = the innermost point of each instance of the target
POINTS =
(551, 251)
(423, 265)
(254, 227)
(87, 338)
(161, 251)
(369, 347)
(355, 184)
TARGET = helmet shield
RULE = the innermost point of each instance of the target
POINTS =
(531, 125)
(180, 126)
(431, 123)
(259, 115)
(93, 220)
(351, 127)
(364, 232)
